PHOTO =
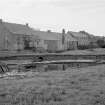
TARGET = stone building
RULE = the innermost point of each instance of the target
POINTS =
(84, 39)
(53, 41)
(20, 37)
(13, 36)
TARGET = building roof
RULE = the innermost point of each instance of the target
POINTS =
(48, 35)
(19, 28)
(70, 38)
(81, 34)
(53, 36)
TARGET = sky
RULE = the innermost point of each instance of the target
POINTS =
(72, 15)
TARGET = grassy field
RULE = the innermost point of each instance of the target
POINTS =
(75, 52)
(83, 86)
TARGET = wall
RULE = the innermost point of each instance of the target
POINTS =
(83, 41)
(8, 41)
(53, 45)
(2, 36)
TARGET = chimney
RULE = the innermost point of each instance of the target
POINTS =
(63, 31)
(27, 24)
(63, 36)
(48, 30)
(1, 20)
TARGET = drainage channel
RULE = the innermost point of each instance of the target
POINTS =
(49, 65)
(19, 69)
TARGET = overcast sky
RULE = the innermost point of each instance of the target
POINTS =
(73, 15)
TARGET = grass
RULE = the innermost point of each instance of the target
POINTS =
(85, 86)
(86, 51)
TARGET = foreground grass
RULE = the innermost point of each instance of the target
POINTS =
(84, 86)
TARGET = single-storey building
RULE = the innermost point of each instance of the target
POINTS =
(15, 36)
(53, 41)
(50, 41)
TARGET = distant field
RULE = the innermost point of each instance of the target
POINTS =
(83, 86)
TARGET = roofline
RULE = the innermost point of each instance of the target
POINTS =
(6, 27)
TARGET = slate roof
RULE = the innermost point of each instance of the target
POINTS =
(79, 34)
(70, 38)
(84, 36)
(19, 28)
(48, 35)
(53, 36)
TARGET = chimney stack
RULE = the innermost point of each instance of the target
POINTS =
(1, 20)
(63, 31)
(48, 30)
(63, 36)
(27, 24)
